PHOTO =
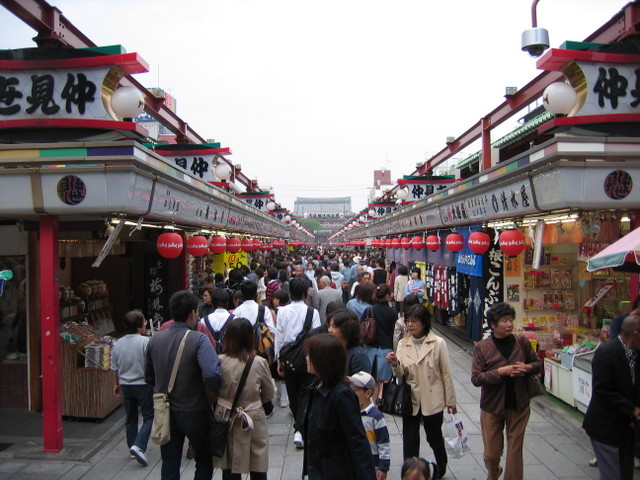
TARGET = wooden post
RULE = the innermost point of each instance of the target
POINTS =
(50, 338)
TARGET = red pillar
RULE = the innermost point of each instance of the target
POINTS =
(486, 143)
(50, 338)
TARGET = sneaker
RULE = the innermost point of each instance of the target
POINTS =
(139, 455)
(593, 462)
(284, 402)
(297, 440)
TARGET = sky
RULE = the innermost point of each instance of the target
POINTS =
(311, 96)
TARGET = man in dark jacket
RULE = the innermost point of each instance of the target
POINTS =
(195, 388)
(614, 410)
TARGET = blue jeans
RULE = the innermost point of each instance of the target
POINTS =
(195, 426)
(134, 397)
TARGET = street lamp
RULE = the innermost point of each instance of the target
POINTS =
(127, 102)
(222, 171)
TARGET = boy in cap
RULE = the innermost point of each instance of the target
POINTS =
(374, 423)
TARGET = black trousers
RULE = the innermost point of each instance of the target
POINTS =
(298, 392)
(433, 429)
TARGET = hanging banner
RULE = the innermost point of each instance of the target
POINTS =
(466, 261)
(493, 282)
(421, 186)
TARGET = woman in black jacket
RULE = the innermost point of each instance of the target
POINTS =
(336, 446)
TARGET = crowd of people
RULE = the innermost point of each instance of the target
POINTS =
(287, 330)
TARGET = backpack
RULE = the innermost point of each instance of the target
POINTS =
(219, 334)
(292, 355)
(264, 337)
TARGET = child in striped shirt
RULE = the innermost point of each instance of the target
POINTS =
(374, 423)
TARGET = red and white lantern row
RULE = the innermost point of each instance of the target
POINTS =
(405, 242)
(479, 242)
(454, 242)
(197, 245)
(417, 242)
(169, 244)
(433, 243)
(257, 244)
(395, 243)
(266, 246)
(512, 242)
(278, 243)
(233, 245)
(246, 244)
(217, 244)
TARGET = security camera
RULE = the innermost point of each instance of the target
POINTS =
(535, 41)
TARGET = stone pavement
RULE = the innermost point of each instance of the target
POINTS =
(555, 445)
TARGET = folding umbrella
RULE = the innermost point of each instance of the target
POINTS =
(623, 255)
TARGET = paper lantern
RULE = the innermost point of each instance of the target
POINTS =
(197, 245)
(417, 242)
(405, 243)
(512, 242)
(433, 243)
(218, 244)
(395, 243)
(246, 244)
(277, 243)
(454, 242)
(233, 245)
(257, 244)
(559, 98)
(169, 244)
(127, 102)
(267, 246)
(479, 242)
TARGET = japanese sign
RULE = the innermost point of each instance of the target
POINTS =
(611, 88)
(257, 200)
(511, 199)
(422, 187)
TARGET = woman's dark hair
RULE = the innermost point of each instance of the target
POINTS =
(239, 339)
(416, 464)
(249, 290)
(403, 270)
(497, 311)
(220, 298)
(235, 277)
(328, 358)
(333, 307)
(208, 289)
(416, 270)
(420, 313)
(365, 292)
(382, 291)
(181, 304)
(347, 321)
(259, 272)
(133, 320)
(283, 276)
(273, 274)
(283, 296)
(410, 301)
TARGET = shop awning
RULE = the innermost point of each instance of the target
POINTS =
(623, 255)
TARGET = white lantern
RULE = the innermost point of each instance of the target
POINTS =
(372, 212)
(361, 218)
(559, 98)
(287, 218)
(127, 102)
(402, 194)
(271, 205)
(222, 171)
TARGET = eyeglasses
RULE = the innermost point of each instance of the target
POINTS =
(411, 320)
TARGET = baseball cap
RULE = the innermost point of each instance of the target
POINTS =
(357, 259)
(363, 380)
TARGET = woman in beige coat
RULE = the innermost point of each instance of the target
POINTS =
(422, 360)
(248, 441)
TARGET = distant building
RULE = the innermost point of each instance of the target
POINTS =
(329, 212)
(381, 183)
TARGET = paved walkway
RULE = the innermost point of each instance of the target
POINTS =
(555, 445)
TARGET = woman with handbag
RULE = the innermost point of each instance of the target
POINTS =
(377, 350)
(500, 366)
(336, 446)
(248, 439)
(422, 361)
(345, 326)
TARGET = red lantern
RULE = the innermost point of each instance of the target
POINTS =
(217, 244)
(417, 242)
(454, 242)
(395, 243)
(512, 242)
(479, 242)
(433, 243)
(197, 245)
(246, 244)
(267, 246)
(169, 244)
(278, 243)
(374, 242)
(405, 243)
(257, 244)
(233, 245)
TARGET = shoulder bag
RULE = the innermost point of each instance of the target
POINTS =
(264, 337)
(292, 355)
(532, 382)
(368, 327)
(161, 427)
(219, 430)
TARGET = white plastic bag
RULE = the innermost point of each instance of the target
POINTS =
(455, 437)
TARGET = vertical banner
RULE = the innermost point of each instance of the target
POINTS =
(156, 285)
(494, 283)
